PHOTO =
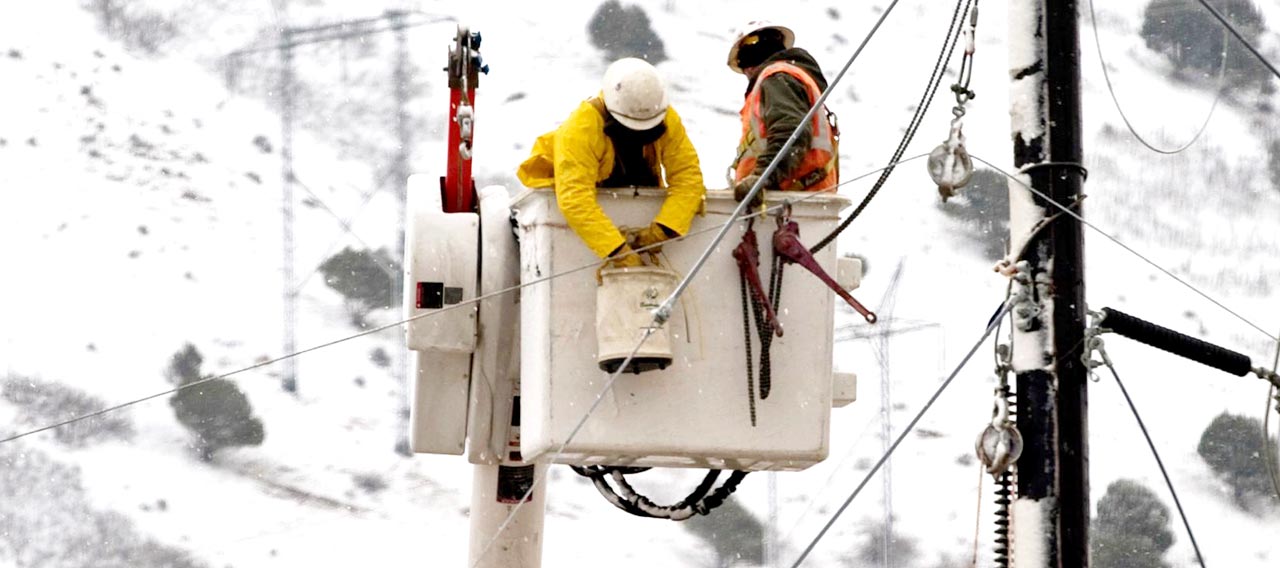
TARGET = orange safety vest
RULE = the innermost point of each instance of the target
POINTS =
(819, 170)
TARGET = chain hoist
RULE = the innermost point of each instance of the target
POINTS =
(949, 164)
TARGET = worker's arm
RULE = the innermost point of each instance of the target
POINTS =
(685, 190)
(785, 103)
(579, 148)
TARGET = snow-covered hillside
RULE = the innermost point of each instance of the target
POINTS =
(140, 211)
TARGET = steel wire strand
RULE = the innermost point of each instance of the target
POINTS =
(737, 214)
(1268, 451)
(1239, 37)
(926, 99)
(608, 386)
(664, 311)
(1078, 217)
(464, 303)
(1004, 309)
(1106, 75)
(1155, 453)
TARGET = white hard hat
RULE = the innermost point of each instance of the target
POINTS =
(749, 30)
(635, 94)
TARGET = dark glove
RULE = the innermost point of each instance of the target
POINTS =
(742, 188)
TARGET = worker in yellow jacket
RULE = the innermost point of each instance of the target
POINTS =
(628, 135)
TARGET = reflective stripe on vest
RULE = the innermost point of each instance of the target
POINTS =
(817, 171)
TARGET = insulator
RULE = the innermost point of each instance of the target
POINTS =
(1169, 340)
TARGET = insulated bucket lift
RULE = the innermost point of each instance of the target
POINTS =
(513, 328)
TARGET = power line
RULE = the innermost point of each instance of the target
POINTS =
(1106, 75)
(402, 322)
(572, 434)
(663, 312)
(1239, 37)
(368, 197)
(995, 321)
(926, 99)
(1155, 453)
(1075, 215)
(335, 37)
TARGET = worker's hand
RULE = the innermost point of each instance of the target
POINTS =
(653, 234)
(742, 188)
(624, 257)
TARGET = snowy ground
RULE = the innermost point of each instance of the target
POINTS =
(139, 214)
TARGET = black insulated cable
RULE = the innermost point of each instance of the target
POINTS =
(1176, 343)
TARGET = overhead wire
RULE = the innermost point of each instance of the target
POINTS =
(995, 322)
(1106, 75)
(525, 498)
(767, 211)
(459, 305)
(664, 310)
(1156, 454)
(926, 99)
(1268, 450)
(1078, 217)
(1231, 28)
(346, 226)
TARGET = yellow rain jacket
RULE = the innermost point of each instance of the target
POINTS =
(577, 156)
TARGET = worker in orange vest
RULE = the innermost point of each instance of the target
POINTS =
(783, 83)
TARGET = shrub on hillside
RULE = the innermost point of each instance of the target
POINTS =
(47, 519)
(184, 366)
(1232, 446)
(366, 279)
(625, 32)
(734, 534)
(41, 403)
(216, 412)
(902, 550)
(982, 207)
(1273, 162)
(1192, 39)
(1131, 529)
(138, 26)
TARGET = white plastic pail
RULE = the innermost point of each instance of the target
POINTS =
(625, 300)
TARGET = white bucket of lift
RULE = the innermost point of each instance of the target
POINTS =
(625, 300)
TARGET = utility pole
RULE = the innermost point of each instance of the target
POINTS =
(290, 380)
(1052, 497)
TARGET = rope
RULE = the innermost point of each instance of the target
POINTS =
(926, 99)
(1106, 75)
(1077, 217)
(1097, 344)
(1004, 309)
